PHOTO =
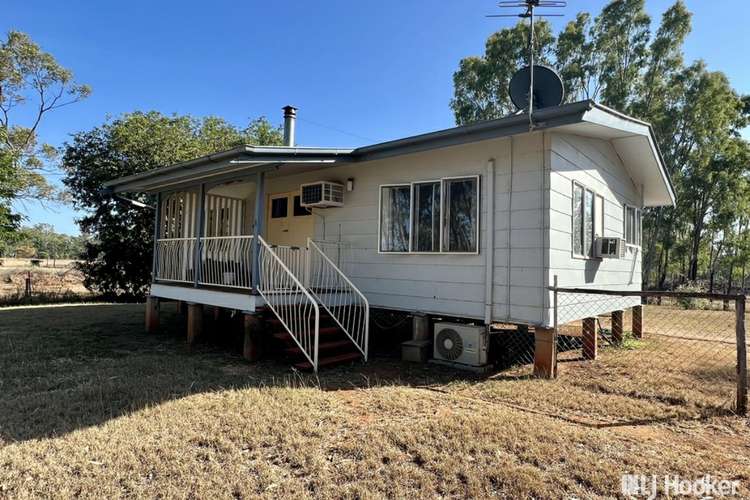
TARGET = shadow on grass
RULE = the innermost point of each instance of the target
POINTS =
(64, 368)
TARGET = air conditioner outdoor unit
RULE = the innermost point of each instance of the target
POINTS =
(460, 344)
(322, 194)
(610, 248)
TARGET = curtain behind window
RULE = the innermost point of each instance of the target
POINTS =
(462, 215)
(577, 220)
(427, 217)
(394, 216)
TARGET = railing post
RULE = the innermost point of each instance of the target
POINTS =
(739, 309)
(258, 227)
(198, 261)
(157, 226)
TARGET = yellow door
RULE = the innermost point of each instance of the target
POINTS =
(287, 223)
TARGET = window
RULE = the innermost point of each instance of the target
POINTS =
(299, 210)
(599, 217)
(279, 207)
(432, 216)
(395, 208)
(426, 217)
(462, 216)
(584, 224)
(632, 225)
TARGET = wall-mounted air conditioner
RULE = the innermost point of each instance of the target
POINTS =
(460, 344)
(321, 194)
(610, 248)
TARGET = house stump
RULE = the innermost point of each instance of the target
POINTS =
(589, 338)
(638, 322)
(152, 314)
(617, 330)
(545, 353)
(194, 322)
(253, 344)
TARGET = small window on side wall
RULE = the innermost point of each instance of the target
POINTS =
(632, 225)
(584, 225)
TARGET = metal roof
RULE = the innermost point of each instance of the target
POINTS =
(599, 121)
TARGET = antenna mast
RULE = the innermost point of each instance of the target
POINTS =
(530, 5)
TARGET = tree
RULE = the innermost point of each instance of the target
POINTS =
(32, 84)
(118, 256)
(695, 114)
(480, 84)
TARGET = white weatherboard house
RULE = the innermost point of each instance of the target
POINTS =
(471, 222)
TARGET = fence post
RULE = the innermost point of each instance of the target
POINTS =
(638, 321)
(27, 291)
(741, 356)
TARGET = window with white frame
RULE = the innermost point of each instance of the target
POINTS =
(632, 225)
(430, 216)
(395, 206)
(585, 222)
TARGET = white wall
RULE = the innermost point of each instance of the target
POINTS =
(444, 284)
(533, 181)
(594, 164)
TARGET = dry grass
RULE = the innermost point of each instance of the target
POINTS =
(51, 280)
(92, 407)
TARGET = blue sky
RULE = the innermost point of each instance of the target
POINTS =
(360, 71)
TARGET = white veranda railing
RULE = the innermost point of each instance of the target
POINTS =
(338, 295)
(226, 261)
(295, 258)
(289, 300)
(175, 259)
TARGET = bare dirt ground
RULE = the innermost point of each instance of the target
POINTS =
(93, 407)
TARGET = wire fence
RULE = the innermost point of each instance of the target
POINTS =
(624, 356)
(683, 350)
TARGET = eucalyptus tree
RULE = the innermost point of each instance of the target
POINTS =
(32, 84)
(614, 57)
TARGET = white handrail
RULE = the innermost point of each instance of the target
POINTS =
(346, 304)
(290, 301)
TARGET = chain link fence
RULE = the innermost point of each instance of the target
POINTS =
(624, 357)
(685, 351)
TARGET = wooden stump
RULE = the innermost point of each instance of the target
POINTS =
(590, 338)
(638, 322)
(252, 347)
(152, 314)
(545, 353)
(617, 330)
(194, 322)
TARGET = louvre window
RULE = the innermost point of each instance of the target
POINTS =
(632, 225)
(585, 221)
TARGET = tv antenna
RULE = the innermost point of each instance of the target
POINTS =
(552, 84)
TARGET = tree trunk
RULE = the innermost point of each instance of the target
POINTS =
(729, 283)
(663, 275)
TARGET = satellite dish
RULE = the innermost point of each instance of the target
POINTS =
(548, 88)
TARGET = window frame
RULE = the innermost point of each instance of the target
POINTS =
(441, 182)
(638, 225)
(594, 216)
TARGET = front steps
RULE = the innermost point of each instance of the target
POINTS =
(334, 346)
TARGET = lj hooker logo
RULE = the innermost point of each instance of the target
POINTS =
(651, 487)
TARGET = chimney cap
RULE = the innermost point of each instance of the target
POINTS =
(289, 110)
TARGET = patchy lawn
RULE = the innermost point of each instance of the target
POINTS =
(93, 407)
